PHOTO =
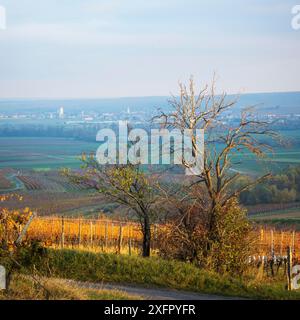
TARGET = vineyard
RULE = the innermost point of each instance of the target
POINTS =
(28, 181)
(126, 237)
(92, 234)
(52, 182)
(4, 182)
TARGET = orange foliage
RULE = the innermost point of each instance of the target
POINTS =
(12, 223)
(103, 232)
(84, 232)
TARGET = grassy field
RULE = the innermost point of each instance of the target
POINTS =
(25, 288)
(155, 272)
(288, 218)
(293, 213)
(53, 153)
(42, 153)
(35, 161)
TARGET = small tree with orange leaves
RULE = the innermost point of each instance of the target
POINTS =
(13, 227)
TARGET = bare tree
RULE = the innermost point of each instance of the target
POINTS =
(206, 110)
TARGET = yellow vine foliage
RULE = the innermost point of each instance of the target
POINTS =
(11, 223)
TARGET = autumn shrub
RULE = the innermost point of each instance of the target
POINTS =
(16, 251)
(234, 242)
(224, 249)
(184, 237)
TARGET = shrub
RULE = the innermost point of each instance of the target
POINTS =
(15, 252)
(225, 248)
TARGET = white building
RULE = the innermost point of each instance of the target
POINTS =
(61, 113)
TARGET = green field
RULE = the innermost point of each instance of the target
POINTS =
(279, 218)
(54, 153)
(35, 161)
(42, 153)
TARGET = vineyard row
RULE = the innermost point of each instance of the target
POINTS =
(109, 235)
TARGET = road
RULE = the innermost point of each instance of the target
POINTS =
(18, 185)
(150, 293)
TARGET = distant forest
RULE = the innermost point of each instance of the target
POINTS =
(281, 188)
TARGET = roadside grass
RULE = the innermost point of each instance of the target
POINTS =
(25, 288)
(156, 272)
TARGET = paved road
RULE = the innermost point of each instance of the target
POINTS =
(151, 293)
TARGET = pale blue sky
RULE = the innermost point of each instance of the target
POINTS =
(112, 48)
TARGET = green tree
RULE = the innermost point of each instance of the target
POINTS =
(126, 185)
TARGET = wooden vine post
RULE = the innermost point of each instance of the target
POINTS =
(289, 268)
(79, 232)
(293, 243)
(120, 239)
(91, 233)
(62, 238)
(272, 244)
(281, 243)
(106, 235)
(129, 239)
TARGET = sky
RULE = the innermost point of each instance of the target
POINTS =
(120, 48)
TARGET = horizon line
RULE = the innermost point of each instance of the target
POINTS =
(133, 97)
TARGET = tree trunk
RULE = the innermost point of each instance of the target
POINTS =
(146, 237)
(8, 280)
(213, 219)
(213, 236)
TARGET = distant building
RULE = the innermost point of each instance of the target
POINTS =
(61, 113)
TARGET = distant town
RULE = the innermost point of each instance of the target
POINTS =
(83, 116)
(137, 117)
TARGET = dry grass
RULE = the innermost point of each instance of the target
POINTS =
(24, 288)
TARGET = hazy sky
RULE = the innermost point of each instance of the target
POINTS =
(111, 48)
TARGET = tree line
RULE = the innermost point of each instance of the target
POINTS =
(280, 188)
